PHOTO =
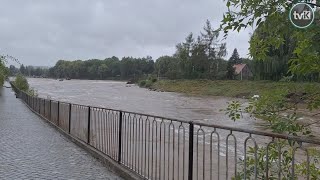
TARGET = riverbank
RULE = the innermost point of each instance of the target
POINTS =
(227, 88)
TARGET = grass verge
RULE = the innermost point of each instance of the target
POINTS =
(228, 88)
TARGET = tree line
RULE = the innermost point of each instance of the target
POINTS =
(198, 57)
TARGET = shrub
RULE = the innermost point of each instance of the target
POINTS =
(3, 72)
(21, 83)
(32, 92)
(269, 107)
(154, 80)
(142, 83)
(148, 84)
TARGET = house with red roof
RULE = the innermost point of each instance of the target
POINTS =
(242, 72)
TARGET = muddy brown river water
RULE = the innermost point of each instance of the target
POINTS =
(118, 95)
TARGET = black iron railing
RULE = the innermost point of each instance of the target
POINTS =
(163, 148)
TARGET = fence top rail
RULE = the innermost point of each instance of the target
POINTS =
(204, 124)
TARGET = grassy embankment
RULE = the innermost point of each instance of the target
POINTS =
(241, 89)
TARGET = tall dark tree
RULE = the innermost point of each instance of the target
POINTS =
(235, 58)
(13, 70)
(22, 69)
(200, 57)
(230, 71)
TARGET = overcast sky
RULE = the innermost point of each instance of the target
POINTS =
(40, 32)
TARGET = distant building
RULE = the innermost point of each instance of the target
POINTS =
(242, 71)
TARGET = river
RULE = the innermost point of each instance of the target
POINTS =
(119, 95)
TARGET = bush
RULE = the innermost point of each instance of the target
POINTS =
(21, 83)
(32, 92)
(3, 72)
(148, 84)
(142, 83)
(154, 80)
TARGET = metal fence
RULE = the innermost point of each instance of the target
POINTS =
(162, 148)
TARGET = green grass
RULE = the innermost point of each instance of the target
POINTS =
(242, 89)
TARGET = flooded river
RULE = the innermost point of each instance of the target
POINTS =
(118, 95)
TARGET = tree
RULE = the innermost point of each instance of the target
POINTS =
(13, 70)
(200, 57)
(167, 66)
(3, 71)
(22, 69)
(275, 33)
(21, 83)
(112, 67)
(103, 70)
(270, 17)
(235, 58)
(183, 53)
(275, 64)
(230, 70)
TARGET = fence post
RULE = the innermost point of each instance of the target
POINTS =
(70, 118)
(190, 168)
(89, 118)
(58, 119)
(44, 107)
(50, 116)
(39, 104)
(120, 137)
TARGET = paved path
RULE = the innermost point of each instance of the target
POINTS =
(32, 149)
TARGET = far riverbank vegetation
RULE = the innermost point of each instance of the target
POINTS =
(197, 67)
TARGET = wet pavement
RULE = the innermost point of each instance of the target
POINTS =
(31, 149)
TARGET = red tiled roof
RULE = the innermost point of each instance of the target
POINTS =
(238, 67)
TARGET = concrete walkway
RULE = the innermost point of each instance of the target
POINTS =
(32, 149)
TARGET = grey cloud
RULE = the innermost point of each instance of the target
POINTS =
(39, 32)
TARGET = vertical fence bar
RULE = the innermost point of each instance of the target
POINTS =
(89, 117)
(58, 119)
(120, 137)
(44, 108)
(190, 169)
(70, 117)
(50, 116)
